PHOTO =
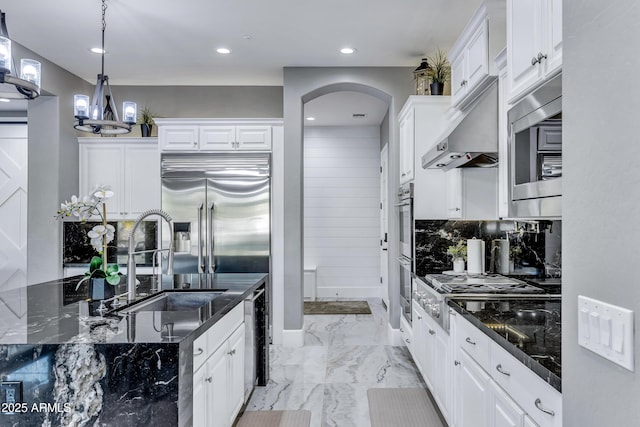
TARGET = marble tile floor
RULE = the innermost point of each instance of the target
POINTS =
(342, 357)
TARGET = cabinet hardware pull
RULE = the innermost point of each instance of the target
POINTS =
(503, 372)
(541, 57)
(199, 352)
(408, 341)
(401, 330)
(455, 362)
(432, 332)
(469, 341)
(419, 317)
(534, 61)
(209, 380)
(538, 404)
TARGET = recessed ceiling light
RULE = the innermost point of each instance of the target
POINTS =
(347, 50)
(5, 100)
(311, 118)
(223, 50)
(97, 50)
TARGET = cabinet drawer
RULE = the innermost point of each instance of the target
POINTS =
(407, 333)
(526, 387)
(473, 341)
(207, 343)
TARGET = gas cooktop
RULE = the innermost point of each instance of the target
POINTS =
(481, 284)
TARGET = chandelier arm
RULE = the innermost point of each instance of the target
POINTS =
(111, 101)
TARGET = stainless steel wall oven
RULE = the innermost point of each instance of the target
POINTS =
(406, 258)
(535, 145)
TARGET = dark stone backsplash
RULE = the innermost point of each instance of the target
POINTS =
(539, 241)
(77, 247)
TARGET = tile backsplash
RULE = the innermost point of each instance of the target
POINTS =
(78, 250)
(539, 241)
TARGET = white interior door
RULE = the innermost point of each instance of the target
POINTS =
(384, 225)
(13, 206)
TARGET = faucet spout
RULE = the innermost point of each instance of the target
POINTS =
(131, 264)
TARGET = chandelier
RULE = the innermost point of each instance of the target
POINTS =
(28, 84)
(101, 116)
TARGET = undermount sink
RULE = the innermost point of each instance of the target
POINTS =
(173, 301)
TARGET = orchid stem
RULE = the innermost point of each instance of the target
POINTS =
(104, 238)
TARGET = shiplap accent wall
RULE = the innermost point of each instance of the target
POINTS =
(341, 209)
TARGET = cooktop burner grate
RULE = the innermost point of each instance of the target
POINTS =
(493, 284)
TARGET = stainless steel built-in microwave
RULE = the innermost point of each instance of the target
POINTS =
(535, 153)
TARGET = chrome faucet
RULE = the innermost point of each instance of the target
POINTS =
(131, 265)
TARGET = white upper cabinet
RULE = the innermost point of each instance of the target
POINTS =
(407, 143)
(471, 57)
(215, 134)
(130, 166)
(534, 44)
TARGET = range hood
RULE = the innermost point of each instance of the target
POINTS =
(472, 140)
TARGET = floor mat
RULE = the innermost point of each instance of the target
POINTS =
(336, 307)
(406, 407)
(301, 418)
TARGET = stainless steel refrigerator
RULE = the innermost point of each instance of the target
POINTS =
(220, 205)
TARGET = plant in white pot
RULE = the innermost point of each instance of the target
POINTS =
(459, 254)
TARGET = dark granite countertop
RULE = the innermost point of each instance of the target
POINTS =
(530, 330)
(57, 313)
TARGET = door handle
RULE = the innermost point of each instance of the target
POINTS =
(200, 264)
(212, 265)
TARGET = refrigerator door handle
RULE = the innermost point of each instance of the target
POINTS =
(200, 263)
(212, 265)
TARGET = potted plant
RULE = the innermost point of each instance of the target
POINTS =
(146, 122)
(459, 254)
(439, 72)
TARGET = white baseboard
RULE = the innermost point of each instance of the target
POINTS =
(293, 337)
(395, 336)
(373, 292)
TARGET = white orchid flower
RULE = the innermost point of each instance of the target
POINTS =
(97, 233)
(103, 192)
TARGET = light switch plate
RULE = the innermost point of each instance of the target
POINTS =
(607, 330)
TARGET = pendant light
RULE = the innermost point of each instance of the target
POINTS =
(101, 116)
(28, 84)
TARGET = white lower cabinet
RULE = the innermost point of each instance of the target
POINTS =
(218, 377)
(431, 354)
(471, 394)
(495, 389)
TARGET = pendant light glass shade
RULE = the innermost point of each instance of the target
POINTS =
(28, 84)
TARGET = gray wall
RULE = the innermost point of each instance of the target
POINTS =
(601, 200)
(392, 84)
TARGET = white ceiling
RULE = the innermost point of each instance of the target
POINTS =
(161, 42)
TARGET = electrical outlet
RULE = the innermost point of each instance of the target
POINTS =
(11, 392)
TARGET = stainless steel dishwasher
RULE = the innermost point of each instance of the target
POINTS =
(255, 356)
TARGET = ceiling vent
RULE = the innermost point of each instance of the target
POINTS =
(359, 115)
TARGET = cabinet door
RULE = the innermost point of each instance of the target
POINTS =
(178, 138)
(553, 35)
(418, 346)
(407, 126)
(504, 411)
(200, 398)
(101, 164)
(478, 56)
(441, 370)
(236, 372)
(217, 137)
(453, 182)
(142, 179)
(472, 394)
(524, 42)
(458, 78)
(218, 396)
(528, 422)
(253, 137)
